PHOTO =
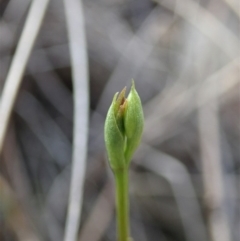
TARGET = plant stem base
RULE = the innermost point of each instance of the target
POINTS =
(122, 204)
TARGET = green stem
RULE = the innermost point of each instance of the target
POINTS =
(122, 204)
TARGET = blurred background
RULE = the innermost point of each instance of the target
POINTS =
(56, 89)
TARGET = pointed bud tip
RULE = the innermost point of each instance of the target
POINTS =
(115, 97)
(133, 84)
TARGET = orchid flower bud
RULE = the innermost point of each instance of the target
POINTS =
(114, 131)
(133, 123)
(123, 128)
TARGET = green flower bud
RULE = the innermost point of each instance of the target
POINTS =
(114, 132)
(133, 123)
(123, 128)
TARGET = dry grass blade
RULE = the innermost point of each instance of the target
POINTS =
(179, 179)
(213, 176)
(18, 219)
(24, 48)
(103, 210)
(183, 100)
(134, 55)
(75, 25)
(26, 211)
(208, 24)
(234, 5)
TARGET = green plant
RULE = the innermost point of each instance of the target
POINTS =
(122, 134)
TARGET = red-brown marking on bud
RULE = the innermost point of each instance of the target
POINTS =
(120, 100)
